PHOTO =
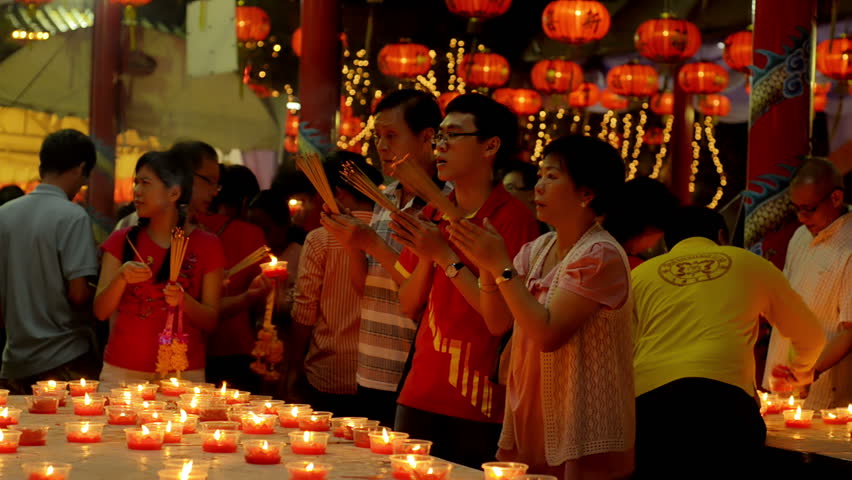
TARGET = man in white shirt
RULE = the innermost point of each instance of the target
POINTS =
(819, 268)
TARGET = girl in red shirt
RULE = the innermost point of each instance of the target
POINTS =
(134, 292)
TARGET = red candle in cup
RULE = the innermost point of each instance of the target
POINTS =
(151, 416)
(172, 431)
(46, 471)
(32, 435)
(88, 406)
(172, 387)
(9, 416)
(120, 415)
(288, 414)
(220, 441)
(144, 438)
(274, 269)
(315, 421)
(504, 470)
(798, 418)
(261, 452)
(402, 466)
(308, 470)
(9, 441)
(82, 387)
(440, 470)
(255, 424)
(308, 443)
(382, 442)
(190, 422)
(338, 425)
(43, 404)
(84, 432)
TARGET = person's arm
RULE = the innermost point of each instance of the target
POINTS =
(79, 291)
(414, 291)
(841, 345)
(498, 318)
(112, 282)
(360, 239)
(257, 291)
(204, 314)
(465, 281)
(78, 257)
(305, 313)
(386, 256)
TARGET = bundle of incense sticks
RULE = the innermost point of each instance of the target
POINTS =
(353, 175)
(312, 166)
(252, 258)
(179, 243)
(412, 175)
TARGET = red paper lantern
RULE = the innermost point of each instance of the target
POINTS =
(738, 51)
(834, 57)
(653, 136)
(292, 127)
(613, 101)
(404, 60)
(663, 103)
(820, 102)
(584, 96)
(252, 24)
(703, 78)
(667, 40)
(575, 21)
(478, 8)
(522, 101)
(714, 105)
(632, 80)
(349, 127)
(291, 144)
(556, 76)
(822, 88)
(488, 70)
(445, 100)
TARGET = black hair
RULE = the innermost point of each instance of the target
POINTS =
(274, 203)
(195, 152)
(528, 171)
(66, 149)
(294, 182)
(172, 170)
(9, 193)
(239, 187)
(334, 167)
(694, 221)
(645, 203)
(491, 119)
(593, 164)
(419, 109)
(124, 210)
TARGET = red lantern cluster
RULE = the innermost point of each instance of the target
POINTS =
(613, 101)
(714, 105)
(556, 76)
(584, 96)
(667, 40)
(834, 58)
(521, 101)
(252, 24)
(478, 8)
(445, 100)
(702, 78)
(632, 80)
(488, 70)
(575, 21)
(739, 50)
(663, 103)
(404, 60)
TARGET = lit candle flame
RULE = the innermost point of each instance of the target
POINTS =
(224, 388)
(310, 467)
(385, 435)
(430, 471)
(85, 427)
(791, 401)
(174, 381)
(498, 472)
(295, 411)
(197, 390)
(217, 435)
(1, 435)
(169, 426)
(186, 470)
(798, 415)
(145, 404)
(265, 446)
(51, 383)
(82, 382)
(139, 388)
(849, 408)
(307, 436)
(183, 415)
(254, 418)
(268, 404)
(415, 447)
(145, 430)
(194, 402)
(411, 461)
(4, 412)
(87, 400)
(237, 395)
(765, 396)
(313, 418)
(273, 261)
(49, 470)
(127, 397)
(831, 415)
(155, 415)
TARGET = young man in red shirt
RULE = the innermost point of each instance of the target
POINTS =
(449, 396)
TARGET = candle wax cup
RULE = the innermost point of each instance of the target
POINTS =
(80, 437)
(385, 449)
(224, 445)
(262, 429)
(124, 418)
(96, 408)
(289, 422)
(309, 448)
(141, 441)
(33, 437)
(834, 421)
(320, 425)
(6, 421)
(44, 476)
(798, 423)
(301, 473)
(43, 405)
(8, 447)
(259, 456)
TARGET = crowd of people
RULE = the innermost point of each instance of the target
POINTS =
(538, 328)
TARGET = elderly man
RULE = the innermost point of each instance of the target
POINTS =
(819, 268)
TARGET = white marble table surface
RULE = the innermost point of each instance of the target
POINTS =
(111, 459)
(821, 439)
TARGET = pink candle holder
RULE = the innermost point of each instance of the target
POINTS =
(145, 417)
(504, 470)
(213, 426)
(308, 443)
(220, 441)
(9, 416)
(120, 415)
(32, 435)
(307, 470)
(255, 424)
(269, 407)
(190, 422)
(434, 470)
(798, 418)
(315, 421)
(42, 404)
(4, 396)
(84, 432)
(288, 414)
(9, 441)
(89, 406)
(350, 426)
(83, 386)
(338, 425)
(402, 466)
(404, 446)
(382, 442)
(46, 470)
(146, 437)
(173, 387)
(262, 452)
(172, 431)
(145, 391)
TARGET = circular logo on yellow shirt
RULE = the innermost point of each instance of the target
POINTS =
(689, 269)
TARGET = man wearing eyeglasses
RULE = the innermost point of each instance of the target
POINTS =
(819, 268)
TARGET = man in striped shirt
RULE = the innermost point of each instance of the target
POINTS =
(405, 122)
(327, 308)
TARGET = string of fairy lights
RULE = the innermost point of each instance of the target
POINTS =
(637, 145)
(663, 152)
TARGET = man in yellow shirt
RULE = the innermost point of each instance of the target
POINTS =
(697, 310)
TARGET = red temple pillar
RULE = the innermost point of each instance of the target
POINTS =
(319, 73)
(681, 141)
(779, 121)
(103, 114)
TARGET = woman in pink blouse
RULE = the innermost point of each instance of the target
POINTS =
(570, 399)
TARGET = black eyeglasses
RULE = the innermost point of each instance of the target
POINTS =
(445, 137)
(210, 183)
(809, 209)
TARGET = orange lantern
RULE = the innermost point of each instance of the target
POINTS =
(834, 58)
(575, 21)
(252, 24)
(488, 70)
(404, 60)
(291, 144)
(632, 80)
(739, 51)
(445, 100)
(820, 102)
(584, 96)
(292, 126)
(703, 78)
(556, 76)
(714, 105)
(481, 9)
(613, 101)
(522, 101)
(663, 103)
(667, 40)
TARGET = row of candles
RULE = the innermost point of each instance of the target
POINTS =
(796, 417)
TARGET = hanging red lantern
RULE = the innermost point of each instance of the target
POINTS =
(613, 101)
(653, 136)
(252, 24)
(822, 88)
(556, 76)
(575, 21)
(404, 60)
(349, 127)
(584, 96)
(820, 102)
(667, 39)
(834, 58)
(663, 103)
(292, 126)
(488, 70)
(738, 51)
(714, 105)
(445, 100)
(291, 144)
(632, 80)
(703, 78)
(481, 9)
(521, 101)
